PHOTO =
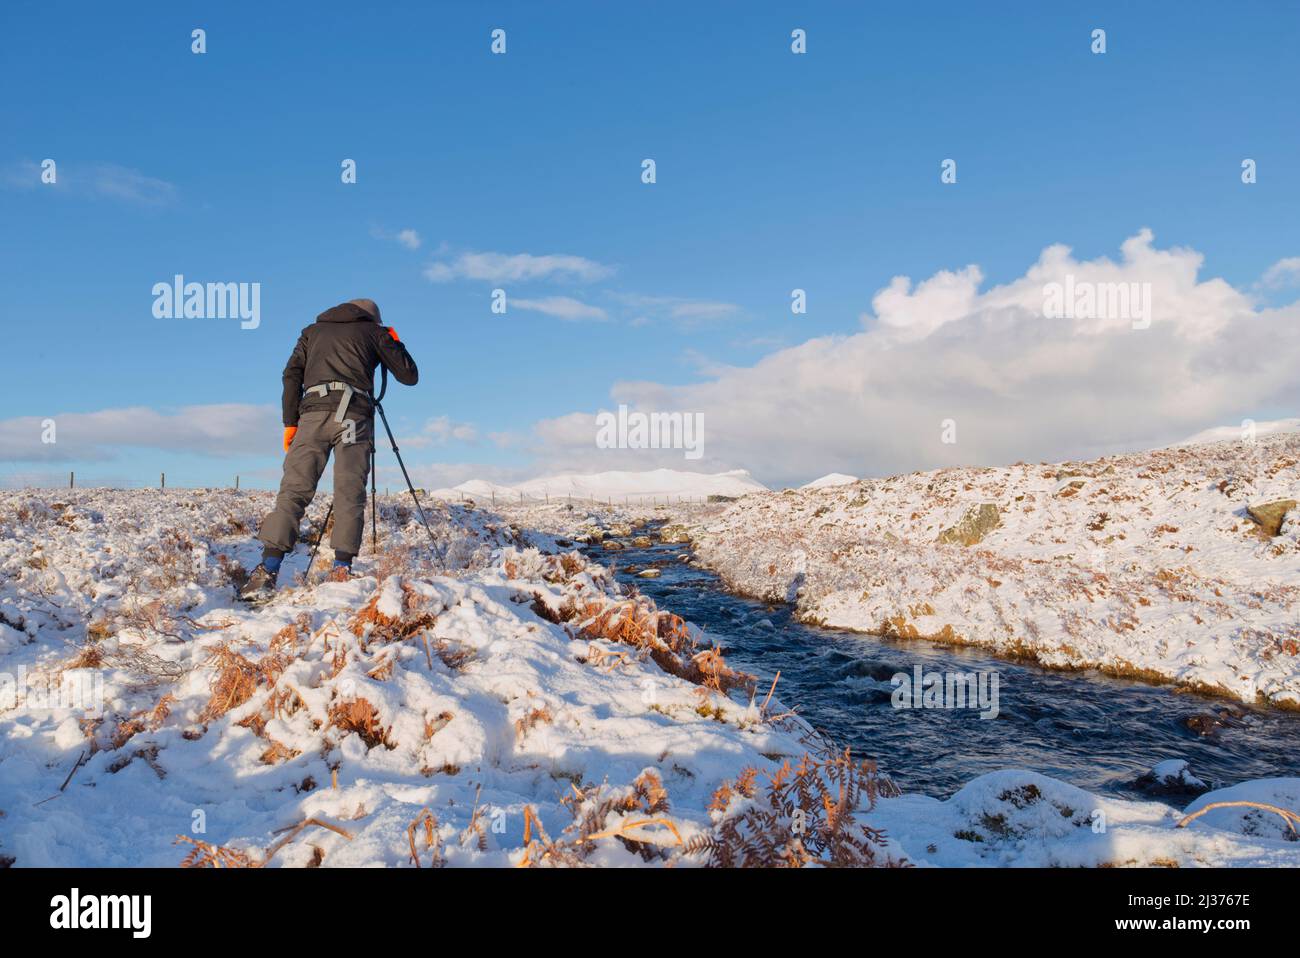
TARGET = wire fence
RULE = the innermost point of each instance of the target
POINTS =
(493, 498)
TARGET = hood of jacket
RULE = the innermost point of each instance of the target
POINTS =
(345, 313)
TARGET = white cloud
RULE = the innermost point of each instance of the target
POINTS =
(407, 237)
(686, 311)
(516, 267)
(95, 179)
(1285, 272)
(561, 307)
(1017, 384)
(227, 429)
(439, 431)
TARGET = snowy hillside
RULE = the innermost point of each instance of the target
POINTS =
(1147, 565)
(487, 702)
(617, 486)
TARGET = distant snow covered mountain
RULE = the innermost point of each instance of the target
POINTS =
(1259, 431)
(616, 485)
(828, 480)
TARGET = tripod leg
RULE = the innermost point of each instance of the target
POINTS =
(409, 485)
(312, 561)
(374, 498)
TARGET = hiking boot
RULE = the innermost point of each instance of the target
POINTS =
(260, 585)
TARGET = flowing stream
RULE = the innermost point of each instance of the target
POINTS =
(1091, 730)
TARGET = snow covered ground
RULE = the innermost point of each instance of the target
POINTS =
(491, 701)
(1144, 564)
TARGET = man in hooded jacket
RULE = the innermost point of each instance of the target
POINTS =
(328, 406)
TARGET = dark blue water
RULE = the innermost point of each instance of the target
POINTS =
(1085, 728)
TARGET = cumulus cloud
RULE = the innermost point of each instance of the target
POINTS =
(516, 267)
(226, 429)
(561, 307)
(1015, 383)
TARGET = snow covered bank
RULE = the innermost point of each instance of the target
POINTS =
(1145, 564)
(500, 707)
(490, 702)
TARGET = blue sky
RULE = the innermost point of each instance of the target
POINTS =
(775, 171)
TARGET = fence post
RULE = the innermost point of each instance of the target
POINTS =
(162, 480)
(71, 480)
(236, 483)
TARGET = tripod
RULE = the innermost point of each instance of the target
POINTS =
(374, 491)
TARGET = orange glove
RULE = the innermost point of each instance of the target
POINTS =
(289, 433)
(392, 332)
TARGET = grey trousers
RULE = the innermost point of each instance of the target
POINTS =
(352, 441)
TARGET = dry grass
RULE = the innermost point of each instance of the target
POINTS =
(528, 722)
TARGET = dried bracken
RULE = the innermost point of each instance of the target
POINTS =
(149, 720)
(235, 682)
(533, 718)
(805, 815)
(361, 717)
(432, 841)
(207, 855)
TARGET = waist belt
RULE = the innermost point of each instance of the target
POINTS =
(324, 389)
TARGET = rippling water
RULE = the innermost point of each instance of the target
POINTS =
(1088, 729)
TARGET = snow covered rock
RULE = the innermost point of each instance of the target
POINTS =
(1172, 777)
(1269, 515)
(978, 522)
(1249, 819)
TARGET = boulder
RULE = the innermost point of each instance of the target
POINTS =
(1269, 514)
(642, 542)
(674, 533)
(978, 522)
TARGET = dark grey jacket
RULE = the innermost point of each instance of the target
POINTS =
(343, 345)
